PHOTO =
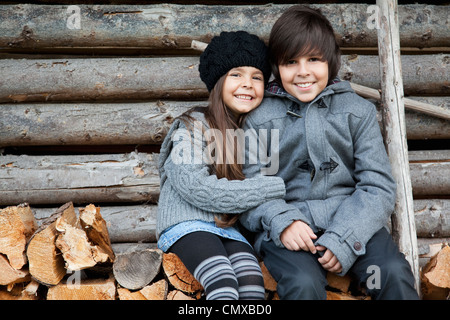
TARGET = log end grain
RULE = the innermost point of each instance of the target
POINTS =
(135, 270)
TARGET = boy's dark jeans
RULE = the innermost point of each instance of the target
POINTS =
(383, 270)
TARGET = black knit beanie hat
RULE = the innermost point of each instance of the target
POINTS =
(231, 50)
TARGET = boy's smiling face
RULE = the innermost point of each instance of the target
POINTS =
(304, 77)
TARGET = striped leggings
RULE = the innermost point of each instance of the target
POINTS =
(227, 269)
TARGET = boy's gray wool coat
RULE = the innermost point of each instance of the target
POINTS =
(352, 192)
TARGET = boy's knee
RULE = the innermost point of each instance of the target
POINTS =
(301, 287)
(395, 281)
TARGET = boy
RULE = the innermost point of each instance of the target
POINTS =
(339, 189)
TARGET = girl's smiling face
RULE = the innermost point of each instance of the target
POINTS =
(304, 77)
(243, 89)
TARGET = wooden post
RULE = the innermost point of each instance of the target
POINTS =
(403, 224)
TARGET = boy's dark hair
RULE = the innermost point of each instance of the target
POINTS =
(302, 30)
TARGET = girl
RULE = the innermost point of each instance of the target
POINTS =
(201, 196)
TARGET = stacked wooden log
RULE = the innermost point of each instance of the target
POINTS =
(86, 125)
(70, 257)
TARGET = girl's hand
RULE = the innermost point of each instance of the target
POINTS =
(329, 261)
(298, 236)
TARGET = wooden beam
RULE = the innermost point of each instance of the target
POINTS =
(133, 177)
(172, 26)
(404, 229)
(133, 227)
(82, 179)
(411, 104)
(125, 79)
(40, 124)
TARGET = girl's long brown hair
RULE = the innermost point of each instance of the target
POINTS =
(219, 117)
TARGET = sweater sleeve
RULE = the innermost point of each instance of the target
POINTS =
(271, 217)
(190, 175)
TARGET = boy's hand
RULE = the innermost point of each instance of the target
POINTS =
(329, 261)
(298, 236)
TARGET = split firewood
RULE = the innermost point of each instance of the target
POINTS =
(125, 294)
(96, 289)
(31, 288)
(84, 242)
(46, 264)
(155, 291)
(97, 231)
(9, 275)
(436, 276)
(16, 294)
(17, 224)
(134, 270)
(178, 295)
(178, 275)
(75, 248)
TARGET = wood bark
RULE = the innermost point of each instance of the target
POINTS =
(46, 264)
(142, 123)
(127, 178)
(126, 224)
(135, 270)
(121, 79)
(81, 179)
(90, 123)
(410, 104)
(432, 218)
(403, 224)
(17, 224)
(172, 26)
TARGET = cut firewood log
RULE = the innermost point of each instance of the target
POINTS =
(155, 291)
(96, 289)
(436, 276)
(46, 264)
(75, 247)
(16, 295)
(178, 295)
(84, 242)
(178, 275)
(31, 288)
(17, 224)
(96, 229)
(135, 270)
(9, 275)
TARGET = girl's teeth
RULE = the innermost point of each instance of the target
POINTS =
(244, 97)
(304, 85)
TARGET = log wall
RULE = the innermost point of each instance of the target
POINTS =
(118, 81)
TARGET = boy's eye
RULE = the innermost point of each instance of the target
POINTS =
(259, 78)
